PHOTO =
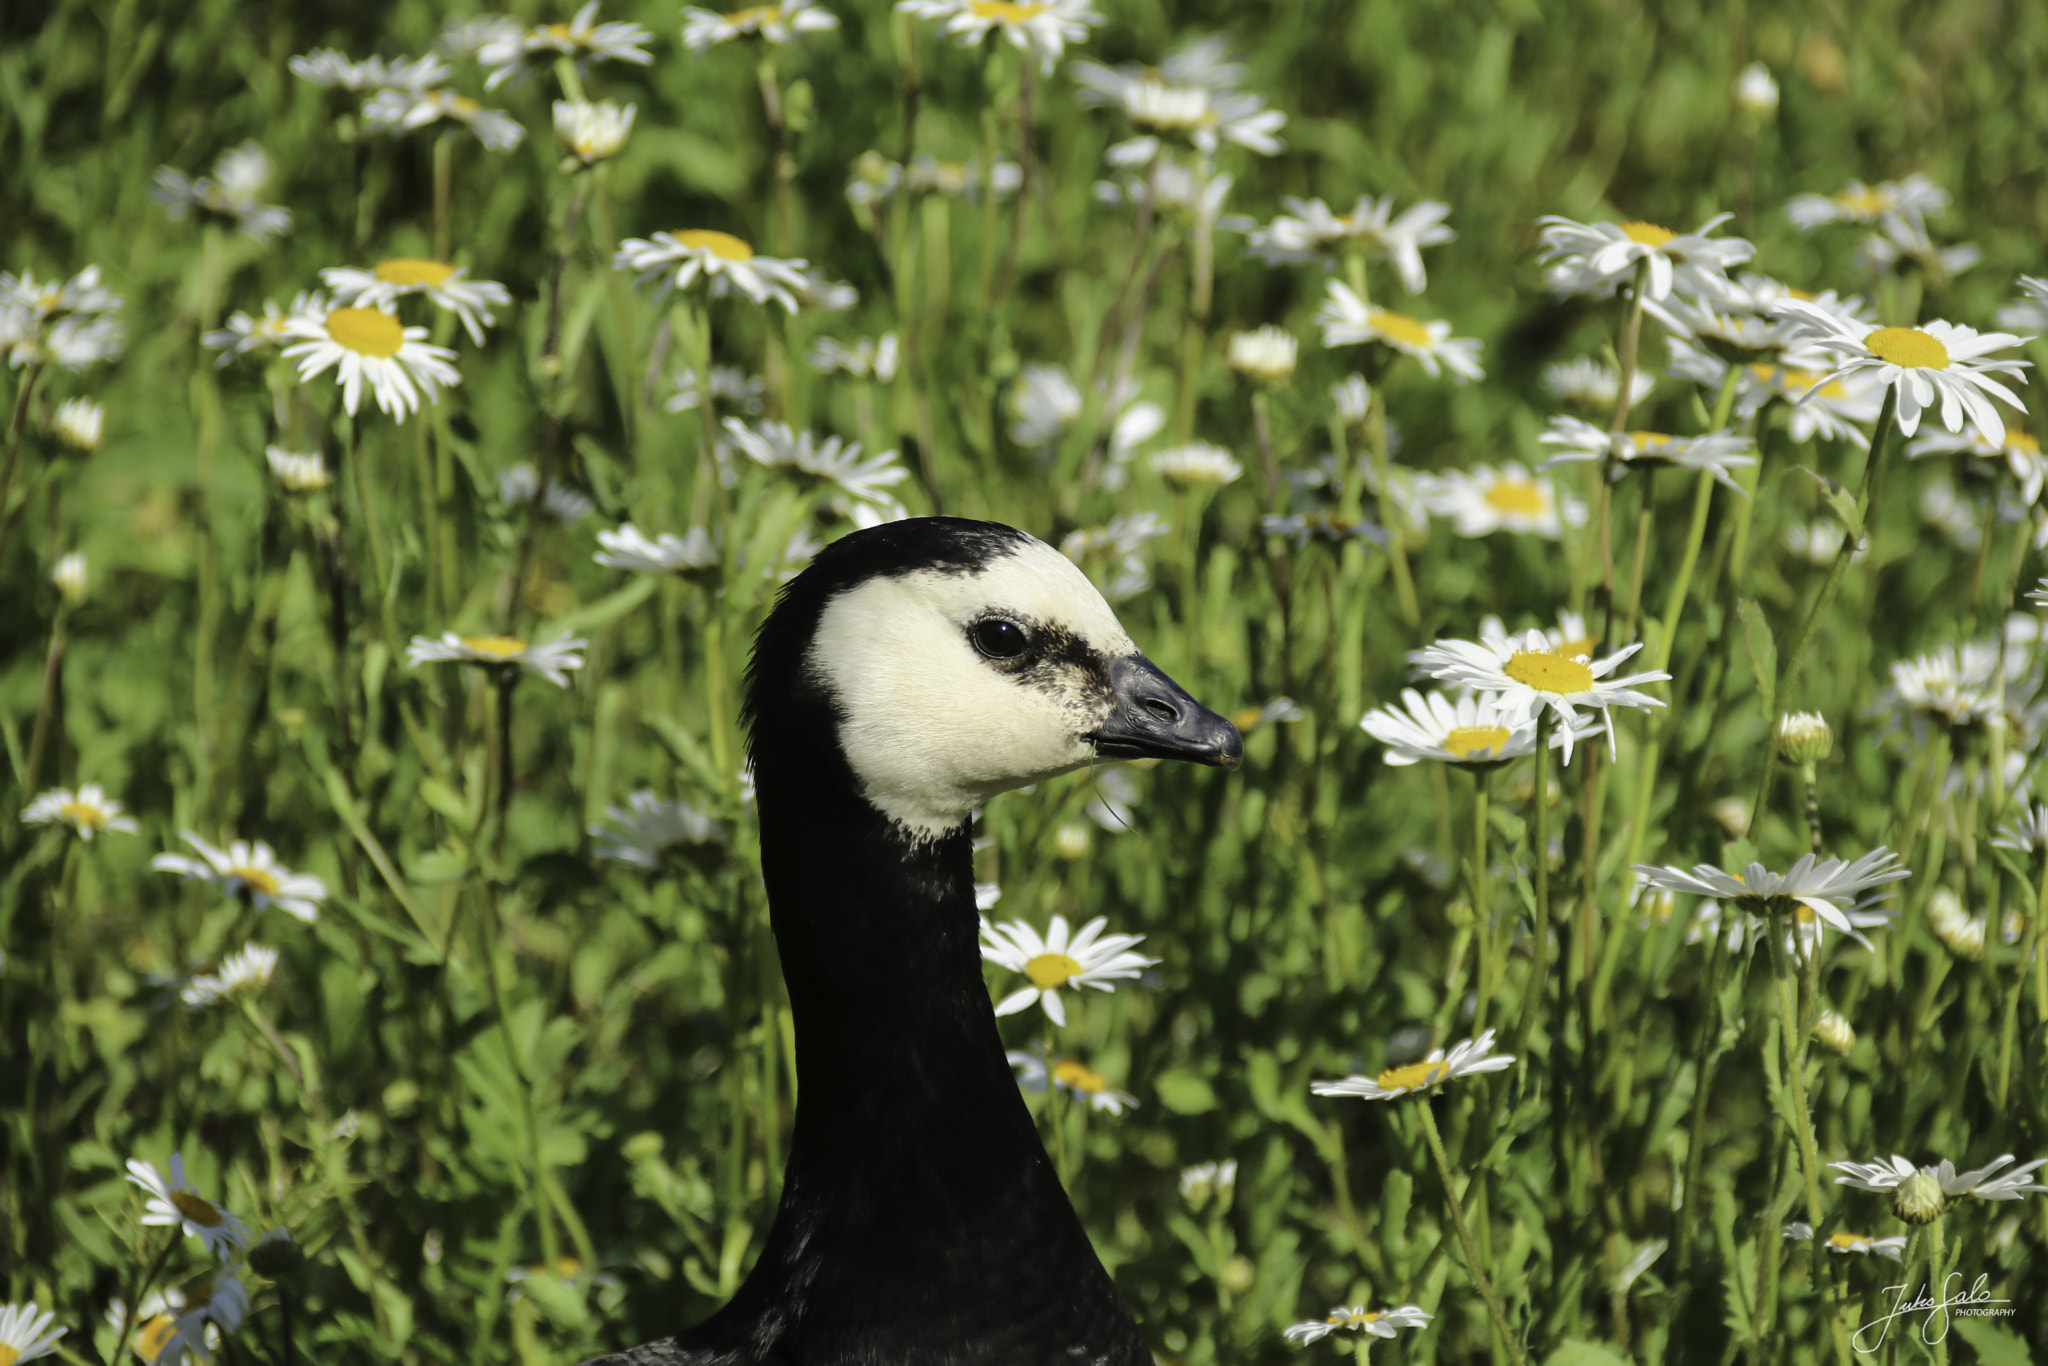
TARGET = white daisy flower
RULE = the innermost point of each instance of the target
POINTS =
(1466, 729)
(391, 279)
(1898, 239)
(1380, 1323)
(1352, 397)
(629, 548)
(244, 334)
(519, 484)
(1113, 556)
(1957, 687)
(248, 970)
(1817, 407)
(1962, 933)
(1205, 62)
(25, 1333)
(370, 343)
(1825, 887)
(582, 40)
(1311, 231)
(1198, 116)
(2030, 312)
(650, 827)
(822, 294)
(732, 389)
(1598, 258)
(246, 870)
(1887, 1174)
(86, 811)
(1115, 794)
(1918, 364)
(81, 295)
(1264, 354)
(232, 194)
(1197, 465)
(332, 70)
(961, 179)
(212, 1308)
(2020, 451)
(1087, 958)
(1044, 403)
(553, 660)
(1590, 384)
(79, 424)
(402, 111)
(1205, 1179)
(1483, 500)
(775, 24)
(1527, 675)
(1914, 198)
(869, 358)
(467, 37)
(2026, 833)
(1074, 1077)
(1467, 1059)
(1347, 319)
(174, 1204)
(593, 132)
(1041, 27)
(1717, 453)
(722, 261)
(1862, 1244)
(1756, 94)
(1322, 528)
(832, 462)
(155, 1322)
(298, 473)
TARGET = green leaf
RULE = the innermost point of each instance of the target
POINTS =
(1578, 1352)
(1763, 654)
(609, 608)
(1839, 500)
(1995, 1346)
(1184, 1093)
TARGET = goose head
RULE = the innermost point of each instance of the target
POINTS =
(951, 660)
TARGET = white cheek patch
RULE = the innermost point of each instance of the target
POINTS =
(931, 727)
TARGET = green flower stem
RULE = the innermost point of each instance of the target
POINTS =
(784, 166)
(15, 427)
(1472, 1262)
(1262, 434)
(1794, 1044)
(1021, 200)
(1937, 1269)
(46, 706)
(503, 680)
(1390, 518)
(1362, 1351)
(1195, 327)
(1788, 675)
(1539, 977)
(2031, 950)
(430, 514)
(1705, 1051)
(443, 175)
(1052, 1111)
(1477, 878)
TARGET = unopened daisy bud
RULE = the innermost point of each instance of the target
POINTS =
(1732, 815)
(1918, 1198)
(297, 473)
(1238, 1274)
(70, 577)
(1072, 840)
(1834, 1031)
(593, 132)
(1265, 355)
(1459, 913)
(1756, 94)
(1954, 927)
(77, 423)
(1804, 737)
(1353, 397)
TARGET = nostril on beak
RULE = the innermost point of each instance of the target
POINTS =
(1162, 712)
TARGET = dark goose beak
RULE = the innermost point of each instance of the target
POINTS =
(1156, 719)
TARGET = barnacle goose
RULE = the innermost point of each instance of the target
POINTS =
(912, 672)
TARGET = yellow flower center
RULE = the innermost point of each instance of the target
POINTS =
(201, 1212)
(1069, 1073)
(1649, 234)
(1647, 440)
(82, 816)
(1003, 12)
(1400, 328)
(1865, 201)
(1802, 913)
(1414, 1076)
(558, 31)
(1848, 1242)
(151, 1341)
(1799, 379)
(1050, 970)
(1246, 719)
(258, 880)
(412, 270)
(723, 245)
(754, 16)
(462, 106)
(2023, 442)
(1907, 346)
(1516, 496)
(1572, 649)
(9, 1354)
(496, 648)
(366, 331)
(1546, 672)
(1463, 740)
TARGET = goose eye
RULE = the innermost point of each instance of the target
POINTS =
(999, 638)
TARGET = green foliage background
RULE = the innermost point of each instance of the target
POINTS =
(550, 1056)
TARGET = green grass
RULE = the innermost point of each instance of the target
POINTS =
(542, 1054)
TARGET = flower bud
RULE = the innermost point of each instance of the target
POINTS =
(1804, 737)
(77, 423)
(1071, 841)
(1756, 94)
(1834, 1031)
(1265, 354)
(1961, 932)
(70, 577)
(1918, 1199)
